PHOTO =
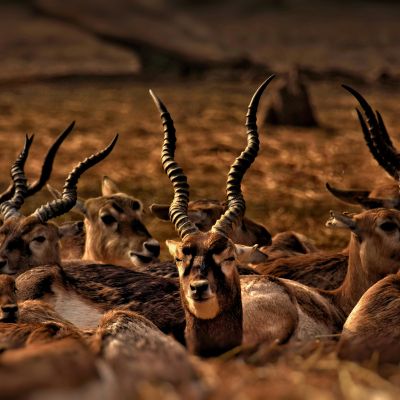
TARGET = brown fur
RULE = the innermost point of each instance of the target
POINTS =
(54, 358)
(373, 327)
(204, 214)
(105, 287)
(373, 253)
(323, 270)
(26, 243)
(139, 354)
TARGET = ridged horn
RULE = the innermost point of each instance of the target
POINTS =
(178, 210)
(58, 207)
(236, 205)
(46, 168)
(348, 196)
(9, 208)
(377, 137)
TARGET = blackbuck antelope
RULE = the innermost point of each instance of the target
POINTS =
(140, 354)
(80, 292)
(223, 310)
(372, 330)
(26, 242)
(115, 232)
(381, 147)
(204, 214)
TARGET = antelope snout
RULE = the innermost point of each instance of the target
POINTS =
(9, 313)
(3, 265)
(199, 289)
(152, 246)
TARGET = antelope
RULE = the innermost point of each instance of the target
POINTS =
(115, 232)
(30, 241)
(224, 310)
(204, 214)
(372, 328)
(384, 152)
(139, 354)
(79, 291)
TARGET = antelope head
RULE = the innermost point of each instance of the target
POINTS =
(29, 241)
(375, 239)
(115, 232)
(207, 261)
(381, 147)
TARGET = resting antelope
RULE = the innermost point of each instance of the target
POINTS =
(372, 330)
(384, 152)
(115, 232)
(223, 310)
(204, 214)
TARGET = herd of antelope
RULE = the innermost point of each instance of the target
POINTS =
(88, 310)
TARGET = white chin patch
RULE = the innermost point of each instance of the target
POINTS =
(206, 309)
(138, 262)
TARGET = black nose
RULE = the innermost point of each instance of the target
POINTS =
(153, 248)
(3, 263)
(198, 288)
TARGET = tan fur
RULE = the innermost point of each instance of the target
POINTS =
(123, 239)
(18, 234)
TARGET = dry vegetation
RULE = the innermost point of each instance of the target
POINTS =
(284, 189)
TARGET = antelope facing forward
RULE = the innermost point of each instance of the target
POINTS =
(223, 310)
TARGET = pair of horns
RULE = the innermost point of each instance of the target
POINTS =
(236, 205)
(47, 168)
(381, 147)
(54, 208)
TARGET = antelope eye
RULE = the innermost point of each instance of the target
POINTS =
(230, 259)
(135, 205)
(388, 226)
(178, 259)
(39, 239)
(108, 219)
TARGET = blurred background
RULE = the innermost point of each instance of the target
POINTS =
(93, 61)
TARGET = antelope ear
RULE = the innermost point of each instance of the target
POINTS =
(161, 211)
(109, 187)
(249, 254)
(338, 220)
(79, 206)
(172, 247)
(71, 229)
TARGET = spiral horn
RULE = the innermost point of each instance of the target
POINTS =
(178, 210)
(236, 205)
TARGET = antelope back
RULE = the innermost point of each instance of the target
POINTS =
(115, 232)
